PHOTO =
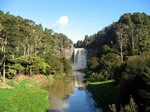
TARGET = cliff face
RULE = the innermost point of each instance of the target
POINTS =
(65, 52)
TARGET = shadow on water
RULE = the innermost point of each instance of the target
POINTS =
(104, 93)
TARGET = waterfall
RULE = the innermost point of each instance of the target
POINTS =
(79, 58)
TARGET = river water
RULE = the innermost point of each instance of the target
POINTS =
(70, 95)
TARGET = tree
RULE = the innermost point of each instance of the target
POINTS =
(25, 42)
(121, 31)
(135, 80)
(109, 62)
(93, 63)
(3, 51)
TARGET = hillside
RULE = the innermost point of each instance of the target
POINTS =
(28, 48)
(120, 52)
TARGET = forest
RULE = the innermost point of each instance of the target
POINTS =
(28, 48)
(121, 52)
(29, 56)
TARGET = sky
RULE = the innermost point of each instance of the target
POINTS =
(74, 18)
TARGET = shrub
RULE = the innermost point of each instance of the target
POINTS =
(134, 80)
(67, 66)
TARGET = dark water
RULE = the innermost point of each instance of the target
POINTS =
(65, 97)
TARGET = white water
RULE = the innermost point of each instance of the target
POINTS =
(80, 58)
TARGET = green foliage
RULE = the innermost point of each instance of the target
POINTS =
(106, 49)
(67, 66)
(94, 77)
(103, 68)
(39, 66)
(93, 63)
(29, 45)
(18, 67)
(126, 19)
(109, 61)
(134, 80)
(127, 37)
(55, 63)
(11, 72)
(131, 107)
(120, 52)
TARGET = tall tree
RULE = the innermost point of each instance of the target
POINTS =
(121, 33)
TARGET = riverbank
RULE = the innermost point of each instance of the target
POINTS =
(104, 93)
(25, 94)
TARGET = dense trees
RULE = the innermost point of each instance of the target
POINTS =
(127, 37)
(121, 52)
(133, 78)
(26, 47)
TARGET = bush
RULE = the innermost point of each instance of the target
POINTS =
(11, 72)
(55, 63)
(33, 64)
(135, 80)
(93, 63)
(67, 66)
(131, 107)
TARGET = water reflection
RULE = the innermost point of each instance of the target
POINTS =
(58, 93)
(81, 101)
(65, 97)
(62, 88)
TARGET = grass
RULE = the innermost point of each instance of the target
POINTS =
(104, 93)
(23, 98)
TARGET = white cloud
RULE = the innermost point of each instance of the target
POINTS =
(61, 22)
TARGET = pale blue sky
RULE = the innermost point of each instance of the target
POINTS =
(74, 18)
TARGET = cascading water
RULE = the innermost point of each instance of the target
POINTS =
(80, 58)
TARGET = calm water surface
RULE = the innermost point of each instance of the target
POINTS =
(65, 97)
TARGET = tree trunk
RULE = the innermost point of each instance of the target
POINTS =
(121, 51)
(28, 50)
(24, 50)
(4, 50)
(4, 71)
(132, 42)
(30, 70)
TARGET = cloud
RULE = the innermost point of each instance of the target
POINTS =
(61, 22)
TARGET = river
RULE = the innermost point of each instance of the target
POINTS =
(70, 95)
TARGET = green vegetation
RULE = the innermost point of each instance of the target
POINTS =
(28, 48)
(23, 98)
(121, 52)
(131, 107)
(108, 48)
(133, 78)
(104, 93)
